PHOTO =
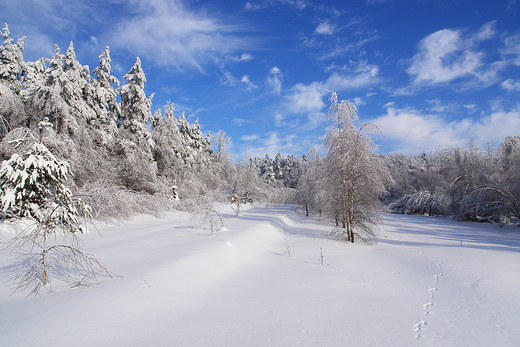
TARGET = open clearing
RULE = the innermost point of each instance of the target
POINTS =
(274, 278)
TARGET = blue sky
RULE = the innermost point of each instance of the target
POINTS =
(430, 73)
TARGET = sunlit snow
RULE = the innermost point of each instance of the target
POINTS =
(427, 282)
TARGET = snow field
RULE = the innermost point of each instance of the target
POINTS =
(261, 283)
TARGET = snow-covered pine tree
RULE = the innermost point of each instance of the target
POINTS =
(12, 69)
(190, 146)
(278, 167)
(136, 108)
(223, 166)
(167, 143)
(248, 186)
(267, 170)
(310, 182)
(137, 169)
(102, 96)
(12, 64)
(59, 95)
(32, 188)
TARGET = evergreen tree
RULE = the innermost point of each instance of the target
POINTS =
(136, 107)
(101, 94)
(12, 64)
(32, 187)
(59, 93)
(168, 143)
(12, 70)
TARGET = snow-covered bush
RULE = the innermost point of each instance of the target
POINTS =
(110, 202)
(424, 201)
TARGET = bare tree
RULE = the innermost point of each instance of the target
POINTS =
(210, 215)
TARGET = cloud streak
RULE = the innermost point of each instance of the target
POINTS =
(172, 35)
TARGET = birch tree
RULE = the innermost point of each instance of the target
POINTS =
(354, 176)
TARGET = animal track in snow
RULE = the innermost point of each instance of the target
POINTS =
(418, 327)
(431, 290)
(426, 307)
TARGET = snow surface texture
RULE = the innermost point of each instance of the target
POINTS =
(259, 282)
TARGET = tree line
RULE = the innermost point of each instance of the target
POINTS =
(126, 160)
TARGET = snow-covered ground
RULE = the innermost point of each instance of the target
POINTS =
(428, 282)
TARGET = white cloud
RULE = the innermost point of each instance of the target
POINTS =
(316, 118)
(228, 79)
(511, 85)
(274, 79)
(471, 107)
(280, 121)
(437, 105)
(325, 28)
(338, 82)
(278, 118)
(240, 121)
(246, 57)
(486, 32)
(512, 49)
(409, 131)
(308, 98)
(298, 4)
(245, 79)
(358, 101)
(448, 55)
(443, 56)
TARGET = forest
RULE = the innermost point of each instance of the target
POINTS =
(104, 154)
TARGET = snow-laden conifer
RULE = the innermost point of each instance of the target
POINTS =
(33, 191)
(12, 64)
(101, 94)
(12, 70)
(58, 92)
(136, 107)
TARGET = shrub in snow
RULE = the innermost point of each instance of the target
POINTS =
(208, 214)
(425, 201)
